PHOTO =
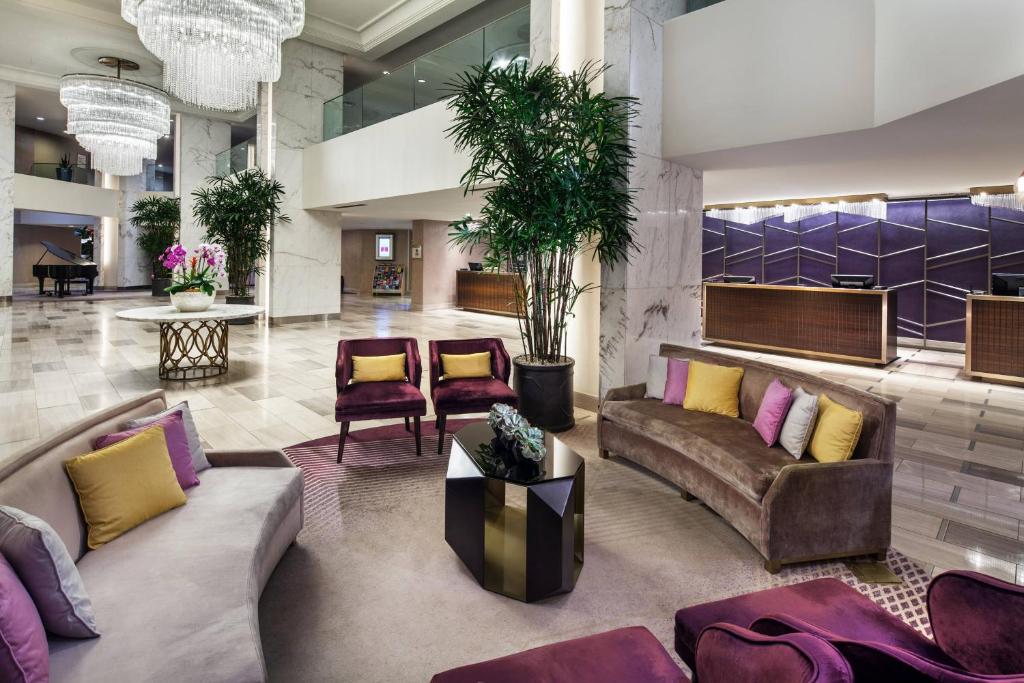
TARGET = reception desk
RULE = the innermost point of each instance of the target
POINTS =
(995, 338)
(857, 325)
(486, 291)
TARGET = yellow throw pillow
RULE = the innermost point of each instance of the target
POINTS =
(121, 486)
(464, 365)
(713, 389)
(836, 433)
(378, 368)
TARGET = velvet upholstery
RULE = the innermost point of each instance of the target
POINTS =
(625, 655)
(791, 511)
(501, 364)
(377, 346)
(730, 654)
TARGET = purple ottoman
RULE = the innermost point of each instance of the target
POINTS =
(827, 604)
(625, 655)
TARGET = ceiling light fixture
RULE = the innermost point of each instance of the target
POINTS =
(386, 72)
(421, 80)
(40, 118)
(216, 53)
(118, 121)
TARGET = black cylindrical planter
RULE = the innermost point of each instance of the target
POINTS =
(248, 301)
(160, 284)
(545, 393)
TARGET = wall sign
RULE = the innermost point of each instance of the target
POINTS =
(385, 243)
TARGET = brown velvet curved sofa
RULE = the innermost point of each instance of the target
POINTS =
(790, 510)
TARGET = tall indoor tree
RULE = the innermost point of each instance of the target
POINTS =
(237, 212)
(554, 157)
(157, 219)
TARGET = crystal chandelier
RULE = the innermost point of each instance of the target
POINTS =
(215, 53)
(117, 121)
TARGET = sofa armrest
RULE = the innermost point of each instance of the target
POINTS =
(627, 393)
(815, 510)
(249, 457)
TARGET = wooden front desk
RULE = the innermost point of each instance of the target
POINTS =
(995, 338)
(857, 325)
(486, 291)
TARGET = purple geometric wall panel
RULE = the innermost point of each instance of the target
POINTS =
(933, 252)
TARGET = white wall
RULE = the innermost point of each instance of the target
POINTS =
(45, 194)
(408, 154)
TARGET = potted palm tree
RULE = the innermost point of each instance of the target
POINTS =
(554, 158)
(157, 219)
(237, 212)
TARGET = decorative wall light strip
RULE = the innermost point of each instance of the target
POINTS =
(746, 215)
(998, 196)
(215, 54)
(873, 208)
(792, 210)
(117, 121)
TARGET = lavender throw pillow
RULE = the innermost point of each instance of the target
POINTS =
(177, 446)
(675, 384)
(773, 410)
(50, 576)
(24, 653)
(195, 446)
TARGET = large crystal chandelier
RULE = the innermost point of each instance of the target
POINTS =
(117, 121)
(216, 52)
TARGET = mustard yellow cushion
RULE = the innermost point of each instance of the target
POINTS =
(462, 365)
(121, 486)
(836, 434)
(378, 368)
(713, 389)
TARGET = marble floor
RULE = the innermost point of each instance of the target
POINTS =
(960, 444)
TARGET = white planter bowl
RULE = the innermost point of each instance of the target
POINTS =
(192, 301)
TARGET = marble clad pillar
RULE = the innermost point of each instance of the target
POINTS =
(202, 139)
(132, 265)
(655, 297)
(6, 190)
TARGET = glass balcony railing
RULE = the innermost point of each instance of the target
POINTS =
(236, 159)
(424, 81)
(83, 175)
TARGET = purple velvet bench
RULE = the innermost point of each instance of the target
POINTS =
(976, 621)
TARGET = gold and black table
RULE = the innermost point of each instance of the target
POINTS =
(519, 532)
(192, 345)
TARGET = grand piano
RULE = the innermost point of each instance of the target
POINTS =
(76, 269)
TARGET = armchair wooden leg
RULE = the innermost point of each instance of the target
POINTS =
(406, 424)
(341, 440)
(416, 422)
(441, 419)
(437, 421)
(772, 567)
(881, 555)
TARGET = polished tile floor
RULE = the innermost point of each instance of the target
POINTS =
(960, 444)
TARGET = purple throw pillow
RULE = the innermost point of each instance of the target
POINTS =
(675, 381)
(24, 653)
(772, 413)
(177, 446)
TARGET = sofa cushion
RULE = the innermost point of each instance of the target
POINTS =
(23, 652)
(177, 446)
(471, 395)
(727, 447)
(712, 388)
(657, 376)
(466, 365)
(195, 444)
(378, 368)
(179, 593)
(379, 399)
(836, 433)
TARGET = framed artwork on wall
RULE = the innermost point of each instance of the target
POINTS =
(384, 243)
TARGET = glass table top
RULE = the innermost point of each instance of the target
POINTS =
(475, 441)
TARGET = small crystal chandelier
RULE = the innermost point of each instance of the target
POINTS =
(117, 121)
(216, 53)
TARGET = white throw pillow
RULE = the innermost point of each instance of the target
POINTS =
(195, 446)
(657, 375)
(799, 425)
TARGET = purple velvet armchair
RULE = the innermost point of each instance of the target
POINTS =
(472, 395)
(976, 621)
(378, 400)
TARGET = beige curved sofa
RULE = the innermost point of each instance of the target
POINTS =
(790, 510)
(175, 598)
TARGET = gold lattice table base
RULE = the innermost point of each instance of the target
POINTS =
(194, 349)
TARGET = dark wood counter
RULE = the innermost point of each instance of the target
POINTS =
(486, 291)
(857, 325)
(995, 338)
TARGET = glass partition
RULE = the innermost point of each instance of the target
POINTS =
(83, 175)
(423, 81)
(236, 159)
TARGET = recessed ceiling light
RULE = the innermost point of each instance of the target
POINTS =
(420, 80)
(40, 118)
(386, 72)
(159, 165)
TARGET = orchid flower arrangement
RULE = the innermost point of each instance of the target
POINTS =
(199, 270)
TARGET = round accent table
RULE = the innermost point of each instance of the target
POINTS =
(192, 345)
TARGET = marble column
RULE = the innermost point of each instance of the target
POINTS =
(655, 297)
(202, 139)
(305, 258)
(132, 265)
(6, 191)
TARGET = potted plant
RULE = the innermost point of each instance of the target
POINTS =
(65, 170)
(554, 157)
(157, 219)
(237, 212)
(193, 276)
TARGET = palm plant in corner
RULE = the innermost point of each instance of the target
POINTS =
(157, 219)
(237, 212)
(554, 159)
